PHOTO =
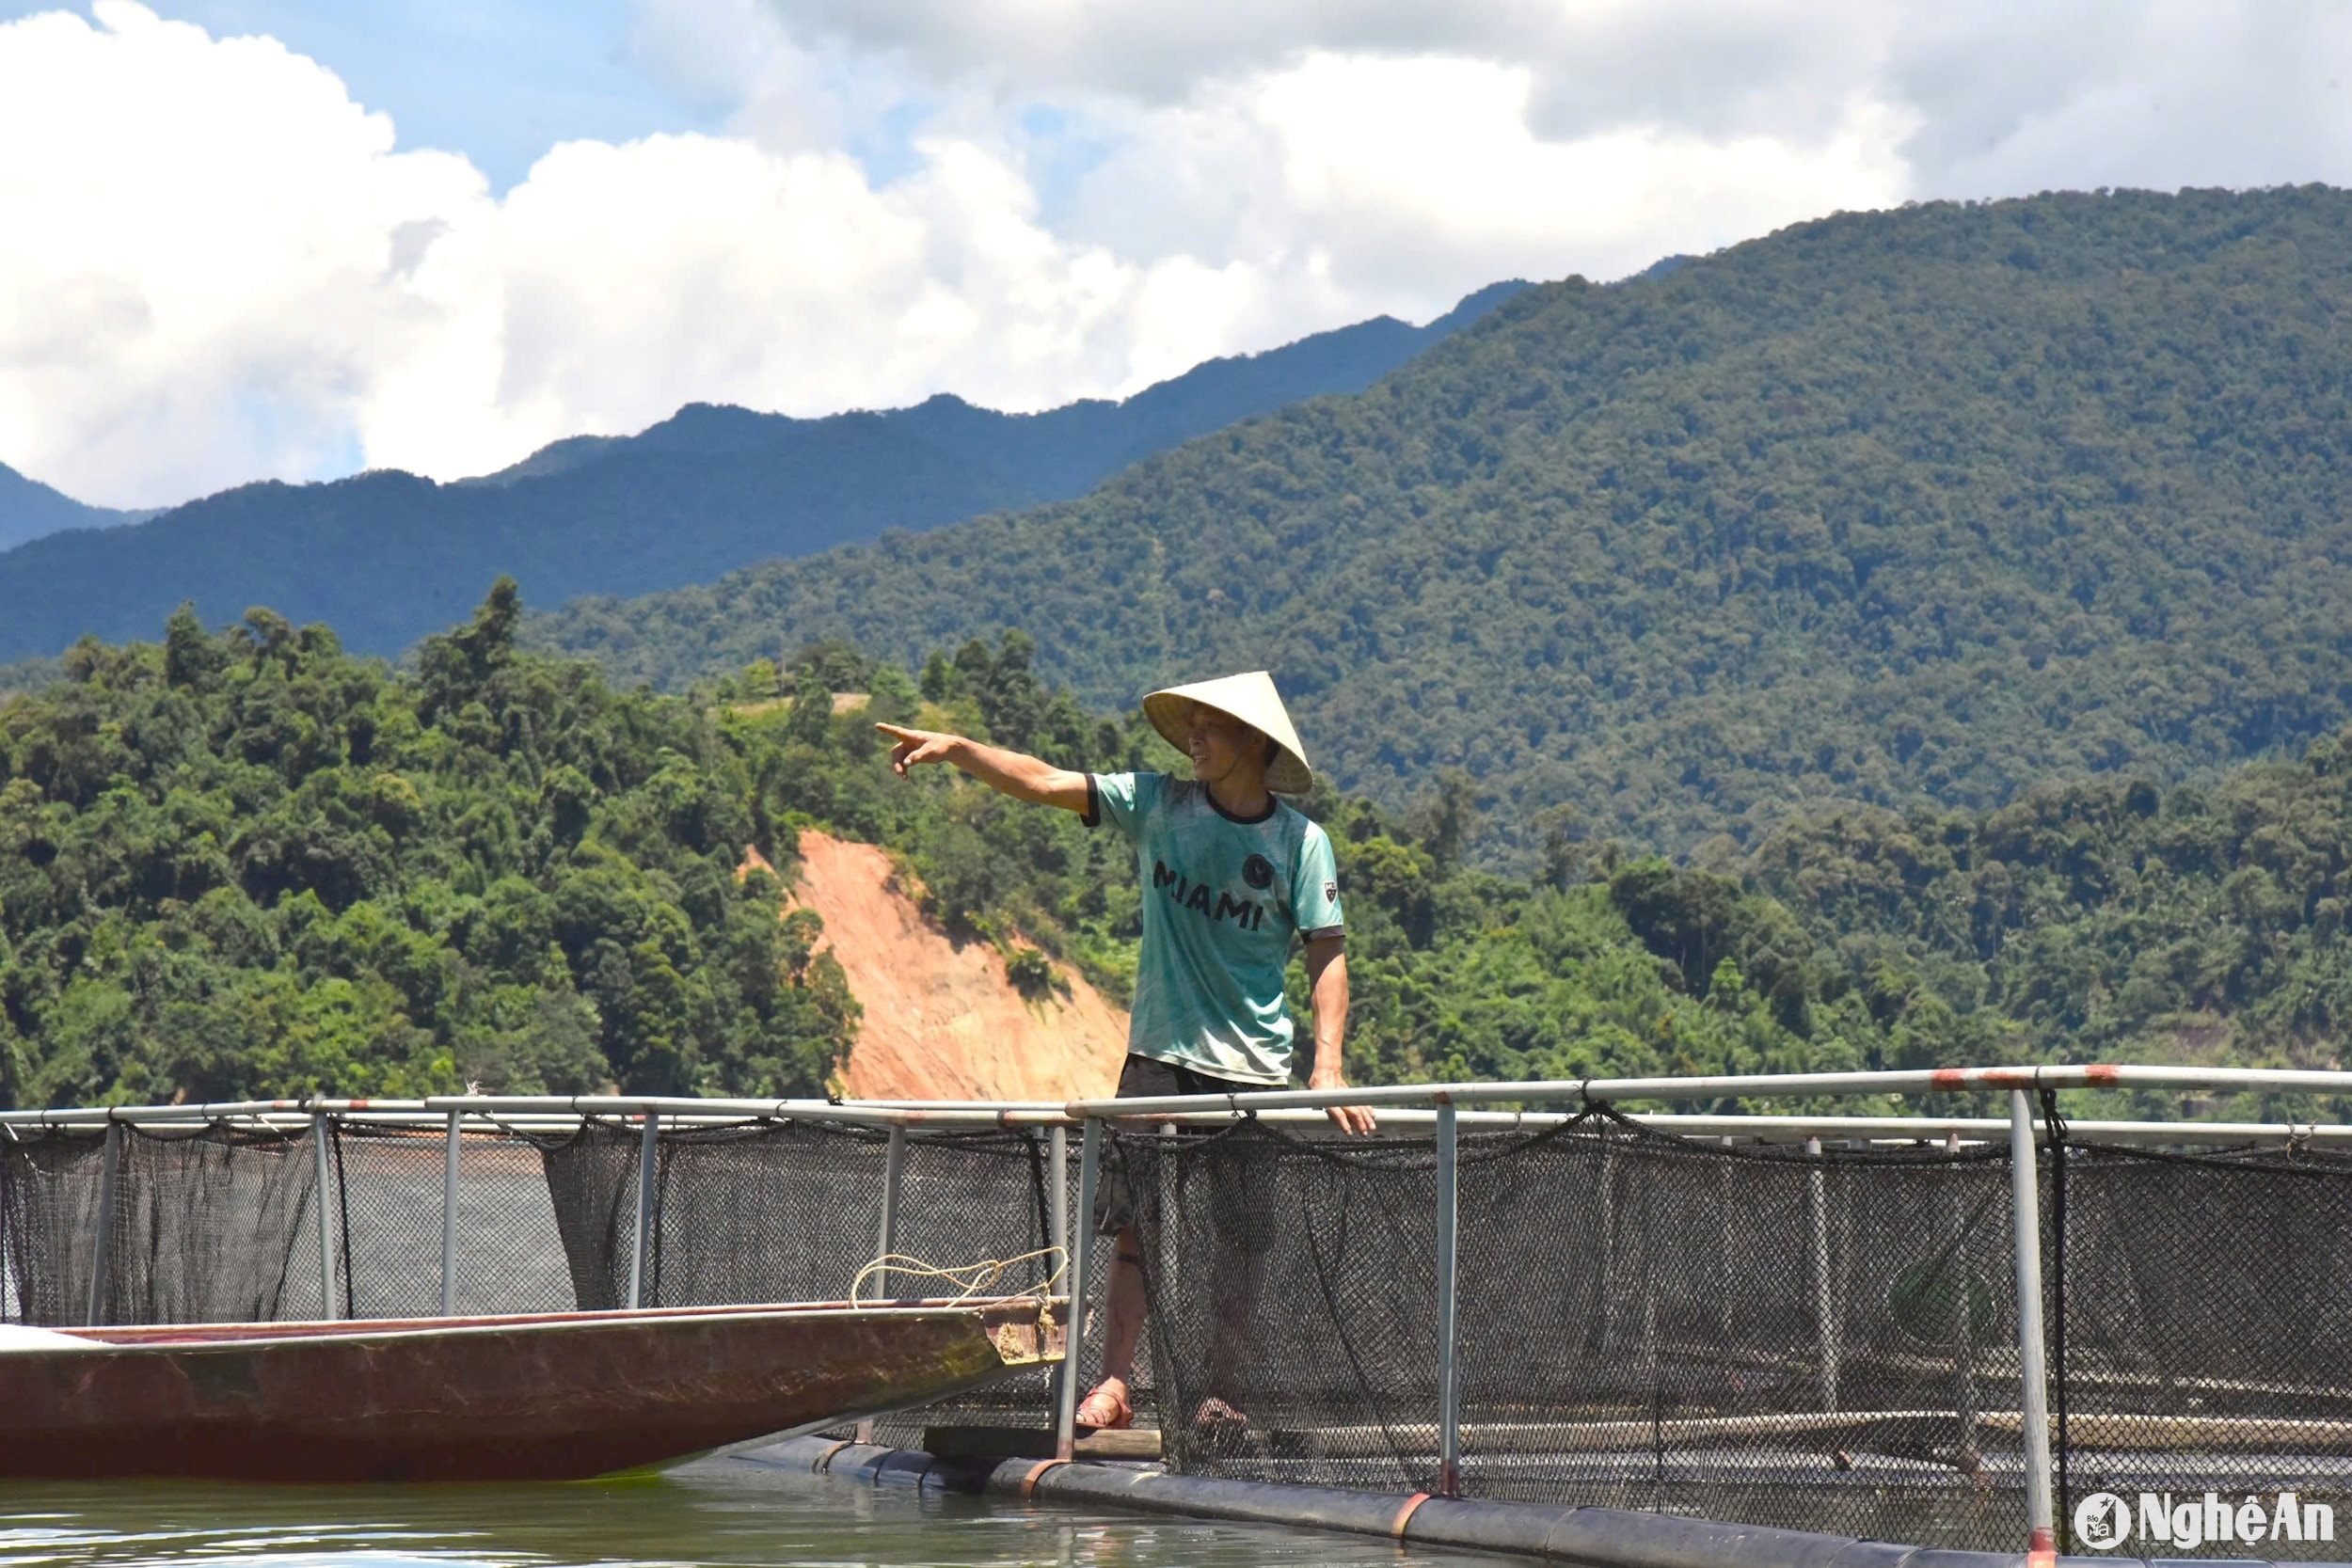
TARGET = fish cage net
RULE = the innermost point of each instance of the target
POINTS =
(1815, 1342)
(1823, 1341)
(197, 1225)
(2200, 1335)
(506, 1253)
(792, 1210)
(1754, 1334)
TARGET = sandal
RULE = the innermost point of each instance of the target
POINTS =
(1105, 1408)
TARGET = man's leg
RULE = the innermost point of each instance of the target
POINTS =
(1112, 1399)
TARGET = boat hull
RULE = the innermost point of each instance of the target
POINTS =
(554, 1396)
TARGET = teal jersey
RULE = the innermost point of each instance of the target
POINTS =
(1222, 897)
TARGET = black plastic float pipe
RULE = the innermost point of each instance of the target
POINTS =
(1591, 1537)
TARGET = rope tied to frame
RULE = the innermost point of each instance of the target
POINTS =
(970, 1279)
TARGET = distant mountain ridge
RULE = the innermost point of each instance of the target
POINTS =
(1902, 508)
(30, 509)
(388, 557)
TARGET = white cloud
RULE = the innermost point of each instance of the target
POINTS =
(190, 224)
(217, 266)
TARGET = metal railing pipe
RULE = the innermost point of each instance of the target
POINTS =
(1081, 1250)
(449, 1219)
(103, 1227)
(210, 1111)
(1057, 1192)
(1824, 1297)
(2097, 1075)
(1756, 1129)
(747, 1110)
(2033, 1404)
(1449, 1258)
(648, 1164)
(322, 1129)
(894, 1173)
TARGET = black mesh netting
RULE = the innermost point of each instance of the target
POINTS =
(1815, 1342)
(2200, 1329)
(1292, 1282)
(207, 1224)
(1820, 1342)
(792, 1212)
(509, 1256)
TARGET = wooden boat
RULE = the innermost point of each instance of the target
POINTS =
(544, 1397)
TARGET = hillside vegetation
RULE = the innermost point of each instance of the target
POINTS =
(1902, 509)
(388, 557)
(248, 864)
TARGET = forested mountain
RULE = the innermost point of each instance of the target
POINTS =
(29, 509)
(1898, 508)
(248, 864)
(386, 557)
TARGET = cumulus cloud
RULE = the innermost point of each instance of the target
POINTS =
(196, 265)
(219, 266)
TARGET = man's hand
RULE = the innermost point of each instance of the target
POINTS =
(1011, 773)
(917, 747)
(1347, 1119)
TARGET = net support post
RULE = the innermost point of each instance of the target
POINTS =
(1963, 1320)
(1057, 1192)
(322, 1129)
(1448, 1381)
(449, 1219)
(2033, 1401)
(894, 1172)
(1081, 1247)
(648, 1162)
(1824, 1296)
(103, 1226)
(894, 1178)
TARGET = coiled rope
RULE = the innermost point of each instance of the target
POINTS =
(970, 1279)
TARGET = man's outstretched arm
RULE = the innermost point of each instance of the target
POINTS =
(1023, 778)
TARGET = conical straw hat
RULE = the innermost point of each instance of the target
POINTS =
(1249, 698)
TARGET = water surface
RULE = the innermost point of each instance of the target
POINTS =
(722, 1514)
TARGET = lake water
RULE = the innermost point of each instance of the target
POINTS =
(724, 1513)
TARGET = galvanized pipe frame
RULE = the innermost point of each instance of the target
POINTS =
(448, 1218)
(1762, 1085)
(321, 1127)
(1081, 1257)
(102, 1228)
(649, 1176)
(2033, 1409)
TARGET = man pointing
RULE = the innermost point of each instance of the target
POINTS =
(1230, 874)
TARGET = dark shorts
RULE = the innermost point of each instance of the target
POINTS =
(1143, 1078)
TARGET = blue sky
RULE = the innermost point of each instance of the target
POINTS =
(498, 82)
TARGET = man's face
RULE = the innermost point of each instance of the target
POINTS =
(1219, 743)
